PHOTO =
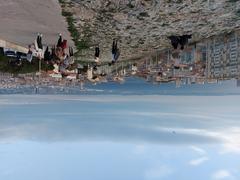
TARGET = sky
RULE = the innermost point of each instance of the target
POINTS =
(119, 137)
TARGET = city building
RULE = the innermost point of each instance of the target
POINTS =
(223, 58)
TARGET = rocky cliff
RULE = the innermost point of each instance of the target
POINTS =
(142, 26)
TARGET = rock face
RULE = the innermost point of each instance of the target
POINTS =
(142, 26)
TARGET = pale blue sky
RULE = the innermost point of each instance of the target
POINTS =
(119, 137)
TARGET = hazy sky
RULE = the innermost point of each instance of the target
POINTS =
(136, 86)
(119, 137)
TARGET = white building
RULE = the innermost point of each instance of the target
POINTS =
(223, 55)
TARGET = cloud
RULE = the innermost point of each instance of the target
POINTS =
(231, 141)
(73, 129)
(151, 119)
(139, 149)
(22, 100)
(199, 161)
(221, 174)
(3, 102)
(198, 150)
(158, 172)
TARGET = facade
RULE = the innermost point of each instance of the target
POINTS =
(223, 56)
(238, 83)
(187, 57)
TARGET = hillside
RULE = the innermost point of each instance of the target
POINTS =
(142, 26)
